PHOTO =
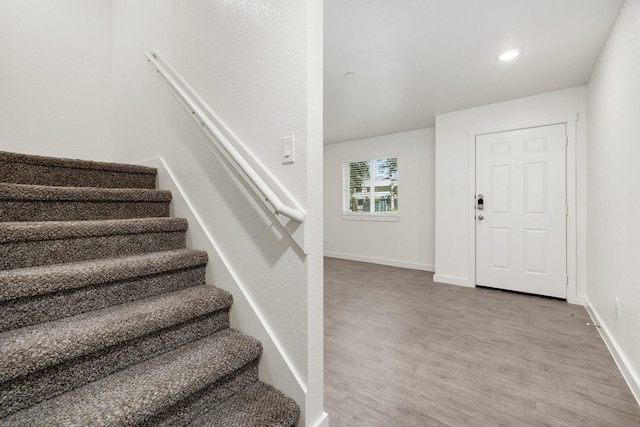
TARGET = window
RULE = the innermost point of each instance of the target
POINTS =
(371, 186)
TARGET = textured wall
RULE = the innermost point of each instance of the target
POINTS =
(453, 195)
(249, 61)
(55, 74)
(74, 79)
(409, 242)
(614, 195)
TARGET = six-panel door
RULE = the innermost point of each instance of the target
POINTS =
(521, 238)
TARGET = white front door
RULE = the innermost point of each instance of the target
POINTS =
(521, 236)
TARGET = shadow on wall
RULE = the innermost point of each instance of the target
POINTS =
(267, 235)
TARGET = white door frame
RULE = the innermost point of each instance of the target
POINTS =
(570, 120)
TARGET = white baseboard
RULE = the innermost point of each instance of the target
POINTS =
(382, 261)
(323, 421)
(451, 280)
(577, 300)
(630, 376)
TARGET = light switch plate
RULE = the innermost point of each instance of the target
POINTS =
(288, 150)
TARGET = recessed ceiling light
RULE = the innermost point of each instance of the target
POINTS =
(350, 75)
(508, 55)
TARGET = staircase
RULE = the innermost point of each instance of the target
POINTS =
(105, 316)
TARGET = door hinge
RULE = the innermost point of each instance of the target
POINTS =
(566, 141)
(566, 280)
(566, 210)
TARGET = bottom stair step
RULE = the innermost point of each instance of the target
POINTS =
(137, 394)
(258, 405)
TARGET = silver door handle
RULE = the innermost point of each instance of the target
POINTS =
(480, 217)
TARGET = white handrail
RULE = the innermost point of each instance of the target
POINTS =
(222, 142)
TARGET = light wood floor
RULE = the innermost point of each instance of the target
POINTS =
(401, 350)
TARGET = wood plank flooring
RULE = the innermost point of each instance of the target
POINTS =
(401, 350)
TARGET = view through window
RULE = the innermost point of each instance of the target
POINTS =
(371, 186)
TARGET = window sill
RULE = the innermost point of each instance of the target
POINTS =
(381, 217)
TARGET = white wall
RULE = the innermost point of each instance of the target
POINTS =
(314, 227)
(409, 242)
(454, 197)
(55, 78)
(258, 65)
(613, 190)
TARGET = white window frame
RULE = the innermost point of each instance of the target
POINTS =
(349, 215)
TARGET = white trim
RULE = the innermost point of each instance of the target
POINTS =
(381, 217)
(574, 294)
(378, 156)
(382, 261)
(574, 291)
(631, 377)
(451, 280)
(525, 124)
(581, 300)
(282, 374)
(323, 421)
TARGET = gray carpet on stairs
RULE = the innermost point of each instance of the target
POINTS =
(146, 388)
(43, 384)
(17, 168)
(257, 404)
(39, 294)
(18, 283)
(105, 317)
(21, 202)
(30, 244)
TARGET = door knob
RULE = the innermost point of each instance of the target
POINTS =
(480, 217)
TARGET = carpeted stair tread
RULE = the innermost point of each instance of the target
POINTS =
(56, 230)
(41, 294)
(21, 202)
(29, 349)
(31, 281)
(30, 244)
(41, 170)
(33, 159)
(258, 405)
(89, 194)
(136, 394)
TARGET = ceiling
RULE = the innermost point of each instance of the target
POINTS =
(414, 59)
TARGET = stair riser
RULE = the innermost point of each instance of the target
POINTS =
(33, 310)
(33, 388)
(37, 210)
(47, 252)
(23, 173)
(184, 412)
(257, 405)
